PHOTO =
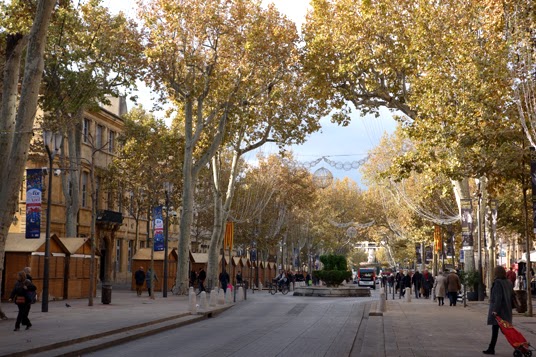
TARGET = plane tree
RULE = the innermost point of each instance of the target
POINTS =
(209, 59)
(23, 32)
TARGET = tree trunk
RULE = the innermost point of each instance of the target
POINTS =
(72, 179)
(190, 174)
(221, 213)
(461, 191)
(17, 140)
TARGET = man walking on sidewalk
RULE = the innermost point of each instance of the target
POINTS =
(139, 276)
(453, 286)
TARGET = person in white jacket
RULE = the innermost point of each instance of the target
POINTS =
(440, 288)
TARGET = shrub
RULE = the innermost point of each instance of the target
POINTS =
(335, 270)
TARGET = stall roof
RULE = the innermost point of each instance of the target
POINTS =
(17, 242)
(145, 254)
(74, 244)
(199, 257)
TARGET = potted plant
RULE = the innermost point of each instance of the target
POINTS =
(470, 281)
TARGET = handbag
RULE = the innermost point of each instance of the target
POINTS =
(20, 300)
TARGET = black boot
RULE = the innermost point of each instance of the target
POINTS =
(489, 351)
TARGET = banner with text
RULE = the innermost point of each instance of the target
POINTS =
(158, 229)
(467, 223)
(34, 192)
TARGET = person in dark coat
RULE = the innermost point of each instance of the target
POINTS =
(201, 279)
(224, 280)
(239, 278)
(500, 303)
(427, 283)
(139, 277)
(20, 297)
(416, 280)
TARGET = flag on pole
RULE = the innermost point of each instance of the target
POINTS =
(158, 229)
(228, 239)
(34, 192)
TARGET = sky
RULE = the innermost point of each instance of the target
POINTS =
(339, 144)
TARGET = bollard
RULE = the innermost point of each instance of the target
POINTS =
(240, 294)
(213, 297)
(221, 297)
(193, 303)
(408, 294)
(382, 303)
(203, 303)
(190, 292)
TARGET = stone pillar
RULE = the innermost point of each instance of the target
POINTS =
(408, 294)
(221, 297)
(213, 298)
(193, 303)
(240, 294)
(381, 305)
(203, 303)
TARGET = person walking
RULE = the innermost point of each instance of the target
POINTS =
(224, 280)
(139, 277)
(453, 286)
(440, 288)
(511, 275)
(500, 303)
(20, 297)
(28, 272)
(416, 280)
(427, 283)
(150, 277)
(239, 278)
(201, 276)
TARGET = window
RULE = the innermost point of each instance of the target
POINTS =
(98, 137)
(110, 200)
(111, 143)
(97, 193)
(86, 129)
(118, 255)
(84, 189)
(130, 251)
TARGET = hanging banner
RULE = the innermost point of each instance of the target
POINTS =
(228, 239)
(438, 242)
(418, 254)
(34, 192)
(467, 223)
(428, 254)
(462, 256)
(158, 226)
(450, 245)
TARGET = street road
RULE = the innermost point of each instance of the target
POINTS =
(264, 325)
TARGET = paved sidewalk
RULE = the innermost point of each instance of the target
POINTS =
(62, 325)
(422, 328)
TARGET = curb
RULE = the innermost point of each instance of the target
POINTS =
(102, 340)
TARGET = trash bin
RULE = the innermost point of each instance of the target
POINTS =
(521, 297)
(106, 293)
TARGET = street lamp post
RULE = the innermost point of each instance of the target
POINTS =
(52, 146)
(167, 187)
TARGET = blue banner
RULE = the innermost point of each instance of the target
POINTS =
(158, 225)
(34, 191)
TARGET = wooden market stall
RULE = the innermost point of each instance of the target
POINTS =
(142, 258)
(21, 252)
(77, 267)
